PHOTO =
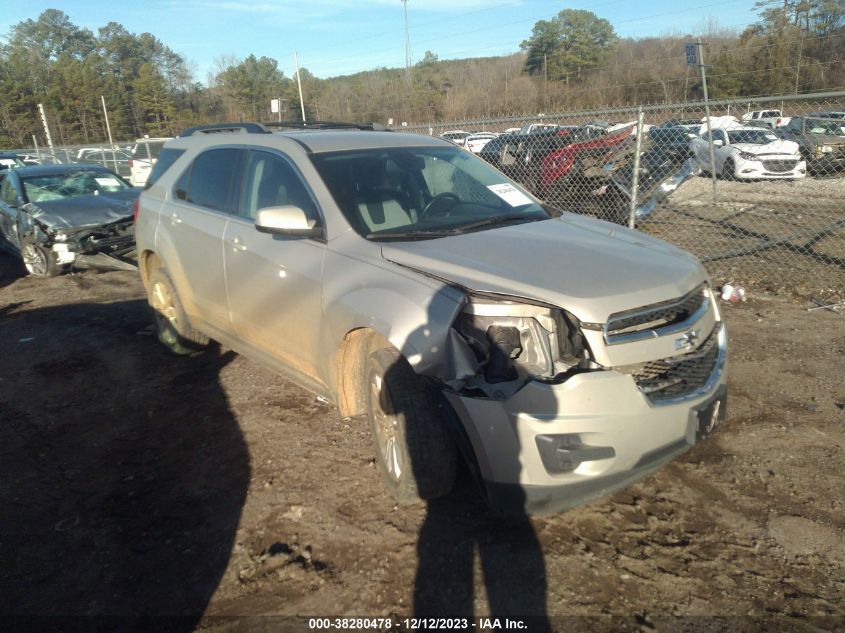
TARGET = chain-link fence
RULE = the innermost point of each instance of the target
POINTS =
(758, 194)
(762, 205)
(118, 157)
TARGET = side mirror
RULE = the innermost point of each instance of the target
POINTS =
(286, 220)
(717, 143)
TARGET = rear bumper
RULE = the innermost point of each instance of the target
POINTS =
(552, 447)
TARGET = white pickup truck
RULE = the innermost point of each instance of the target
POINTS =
(772, 118)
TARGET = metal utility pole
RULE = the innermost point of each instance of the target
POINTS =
(108, 130)
(407, 44)
(46, 126)
(635, 181)
(695, 57)
(299, 86)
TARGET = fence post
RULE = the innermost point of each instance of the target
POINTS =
(635, 181)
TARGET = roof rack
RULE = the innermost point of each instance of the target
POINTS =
(215, 128)
(325, 125)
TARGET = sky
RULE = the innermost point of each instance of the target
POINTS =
(339, 37)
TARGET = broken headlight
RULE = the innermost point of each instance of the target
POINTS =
(514, 342)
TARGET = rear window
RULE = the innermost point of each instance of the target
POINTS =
(165, 159)
(213, 179)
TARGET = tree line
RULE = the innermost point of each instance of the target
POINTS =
(572, 61)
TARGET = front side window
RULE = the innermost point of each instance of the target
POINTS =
(424, 192)
(213, 180)
(272, 182)
(8, 193)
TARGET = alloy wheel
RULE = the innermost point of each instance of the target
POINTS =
(386, 428)
(35, 259)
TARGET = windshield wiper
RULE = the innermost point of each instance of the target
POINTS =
(499, 219)
(455, 230)
(409, 235)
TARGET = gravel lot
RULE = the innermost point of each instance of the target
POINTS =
(784, 237)
(138, 483)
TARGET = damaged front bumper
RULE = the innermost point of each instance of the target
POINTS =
(109, 245)
(550, 447)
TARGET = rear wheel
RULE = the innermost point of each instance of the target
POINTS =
(172, 326)
(38, 260)
(415, 450)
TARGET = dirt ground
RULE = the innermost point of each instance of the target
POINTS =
(135, 483)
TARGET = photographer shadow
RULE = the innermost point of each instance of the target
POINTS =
(124, 471)
(461, 532)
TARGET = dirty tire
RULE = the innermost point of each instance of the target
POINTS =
(729, 170)
(172, 326)
(38, 261)
(414, 447)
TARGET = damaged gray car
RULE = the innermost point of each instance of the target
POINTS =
(411, 283)
(55, 217)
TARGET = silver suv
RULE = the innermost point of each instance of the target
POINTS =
(406, 279)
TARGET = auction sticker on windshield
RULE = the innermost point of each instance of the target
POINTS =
(107, 182)
(510, 194)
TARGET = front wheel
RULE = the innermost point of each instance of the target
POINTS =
(172, 326)
(729, 170)
(38, 260)
(415, 450)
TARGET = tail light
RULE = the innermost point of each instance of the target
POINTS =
(136, 206)
(130, 161)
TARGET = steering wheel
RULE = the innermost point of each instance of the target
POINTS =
(438, 200)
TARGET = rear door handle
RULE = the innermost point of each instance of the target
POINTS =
(237, 245)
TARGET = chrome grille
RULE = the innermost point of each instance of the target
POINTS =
(779, 165)
(680, 376)
(657, 319)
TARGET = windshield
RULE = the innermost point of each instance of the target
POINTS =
(755, 137)
(11, 163)
(419, 193)
(821, 126)
(73, 184)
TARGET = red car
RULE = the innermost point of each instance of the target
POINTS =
(580, 159)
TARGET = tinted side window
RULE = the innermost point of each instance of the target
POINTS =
(214, 179)
(7, 192)
(271, 182)
(165, 160)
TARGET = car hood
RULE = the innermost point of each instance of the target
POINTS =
(775, 147)
(83, 211)
(825, 139)
(589, 267)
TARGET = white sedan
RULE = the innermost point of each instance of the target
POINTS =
(474, 142)
(746, 152)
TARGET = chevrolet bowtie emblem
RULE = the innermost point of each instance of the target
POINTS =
(689, 340)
